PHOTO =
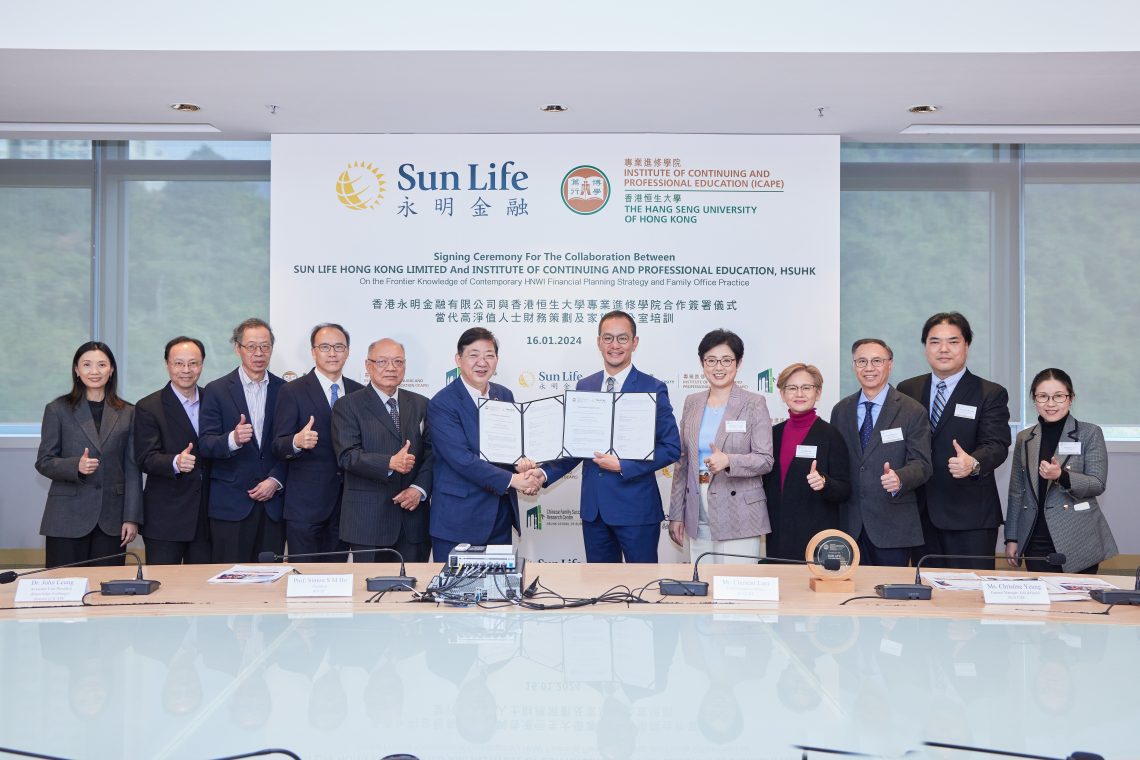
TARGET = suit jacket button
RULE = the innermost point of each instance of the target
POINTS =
(732, 493)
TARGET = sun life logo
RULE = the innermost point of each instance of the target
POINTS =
(360, 186)
(526, 379)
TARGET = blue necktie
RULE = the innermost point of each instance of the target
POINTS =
(334, 395)
(939, 404)
(867, 426)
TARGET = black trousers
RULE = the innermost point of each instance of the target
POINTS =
(64, 551)
(242, 540)
(196, 552)
(409, 550)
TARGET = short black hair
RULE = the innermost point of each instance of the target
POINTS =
(334, 326)
(474, 334)
(1052, 373)
(721, 337)
(949, 318)
(876, 341)
(618, 314)
(182, 339)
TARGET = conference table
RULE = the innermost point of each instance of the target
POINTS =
(206, 671)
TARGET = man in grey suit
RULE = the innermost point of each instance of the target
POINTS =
(384, 448)
(888, 437)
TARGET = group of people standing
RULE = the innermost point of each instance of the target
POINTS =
(250, 463)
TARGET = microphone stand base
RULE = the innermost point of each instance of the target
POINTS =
(389, 582)
(132, 587)
(907, 591)
(684, 588)
(1115, 596)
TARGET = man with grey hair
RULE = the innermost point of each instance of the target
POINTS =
(235, 431)
(384, 448)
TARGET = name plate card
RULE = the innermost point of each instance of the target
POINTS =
(1015, 591)
(744, 588)
(51, 590)
(308, 586)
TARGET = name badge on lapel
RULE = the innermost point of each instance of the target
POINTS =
(736, 426)
(1069, 448)
(892, 435)
(965, 411)
(805, 452)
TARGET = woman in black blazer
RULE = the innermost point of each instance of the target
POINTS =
(94, 505)
(809, 477)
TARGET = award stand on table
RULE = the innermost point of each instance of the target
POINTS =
(836, 545)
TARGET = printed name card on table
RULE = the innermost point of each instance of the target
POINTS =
(1015, 591)
(738, 588)
(51, 590)
(308, 586)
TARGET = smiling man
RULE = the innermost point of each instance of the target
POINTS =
(888, 439)
(969, 439)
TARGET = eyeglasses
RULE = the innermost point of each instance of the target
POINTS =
(724, 361)
(336, 348)
(877, 362)
(257, 348)
(794, 389)
(382, 363)
(1056, 398)
(620, 339)
(180, 365)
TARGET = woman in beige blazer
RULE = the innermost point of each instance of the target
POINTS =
(726, 448)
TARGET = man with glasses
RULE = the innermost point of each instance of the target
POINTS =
(888, 439)
(176, 527)
(302, 437)
(236, 428)
(621, 503)
(381, 443)
(969, 440)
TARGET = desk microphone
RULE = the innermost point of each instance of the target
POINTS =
(137, 586)
(1118, 595)
(1074, 756)
(697, 587)
(920, 591)
(376, 583)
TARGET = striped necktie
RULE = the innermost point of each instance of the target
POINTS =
(939, 404)
(609, 385)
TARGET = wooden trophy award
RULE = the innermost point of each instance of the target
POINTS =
(832, 544)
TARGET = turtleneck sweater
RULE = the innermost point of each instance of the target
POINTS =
(795, 431)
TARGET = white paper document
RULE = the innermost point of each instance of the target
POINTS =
(635, 425)
(251, 574)
(588, 424)
(509, 431)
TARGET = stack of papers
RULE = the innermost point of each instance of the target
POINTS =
(252, 574)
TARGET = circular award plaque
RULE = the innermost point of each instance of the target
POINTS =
(832, 544)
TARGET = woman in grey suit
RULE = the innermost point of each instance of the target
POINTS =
(726, 447)
(1060, 463)
(94, 505)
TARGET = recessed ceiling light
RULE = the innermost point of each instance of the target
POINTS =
(553, 108)
(924, 109)
(185, 107)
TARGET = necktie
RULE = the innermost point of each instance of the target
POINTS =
(609, 385)
(867, 426)
(334, 395)
(395, 412)
(939, 404)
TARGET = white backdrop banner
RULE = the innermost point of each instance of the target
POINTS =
(418, 237)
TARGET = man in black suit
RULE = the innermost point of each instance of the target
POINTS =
(235, 432)
(176, 526)
(385, 450)
(969, 440)
(302, 437)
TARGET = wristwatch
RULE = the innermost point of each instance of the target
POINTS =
(976, 470)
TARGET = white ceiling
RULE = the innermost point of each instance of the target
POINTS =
(497, 87)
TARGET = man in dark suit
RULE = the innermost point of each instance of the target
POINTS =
(302, 437)
(384, 448)
(473, 501)
(621, 503)
(969, 440)
(888, 439)
(176, 527)
(235, 431)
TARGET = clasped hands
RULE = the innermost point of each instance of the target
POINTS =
(528, 477)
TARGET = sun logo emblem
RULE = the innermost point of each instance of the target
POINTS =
(360, 186)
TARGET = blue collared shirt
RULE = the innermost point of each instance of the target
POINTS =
(878, 401)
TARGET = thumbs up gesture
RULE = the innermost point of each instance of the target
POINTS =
(306, 437)
(717, 461)
(243, 432)
(87, 465)
(961, 464)
(184, 460)
(403, 460)
(814, 479)
(1050, 470)
(890, 479)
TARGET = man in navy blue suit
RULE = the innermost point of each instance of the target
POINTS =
(472, 501)
(235, 429)
(302, 436)
(621, 503)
